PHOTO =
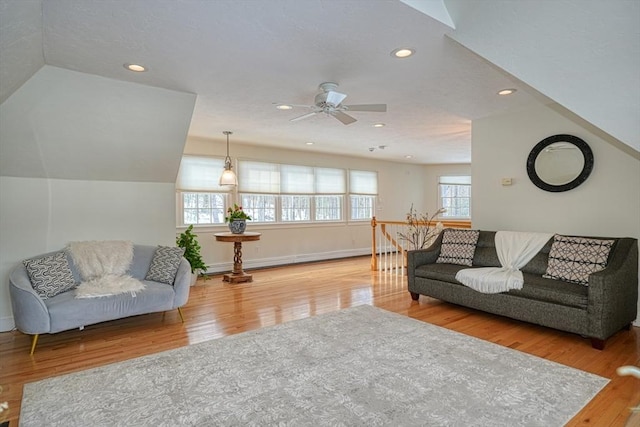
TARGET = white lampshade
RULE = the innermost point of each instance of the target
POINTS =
(228, 177)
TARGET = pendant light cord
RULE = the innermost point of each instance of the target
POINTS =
(227, 160)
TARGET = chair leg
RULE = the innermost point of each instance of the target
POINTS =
(181, 316)
(34, 341)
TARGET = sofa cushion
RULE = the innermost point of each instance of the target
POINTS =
(67, 312)
(539, 263)
(485, 254)
(108, 285)
(50, 275)
(458, 246)
(572, 259)
(441, 272)
(165, 263)
(554, 291)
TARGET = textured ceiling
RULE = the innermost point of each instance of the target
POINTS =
(242, 57)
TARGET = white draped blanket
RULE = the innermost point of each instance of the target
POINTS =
(515, 249)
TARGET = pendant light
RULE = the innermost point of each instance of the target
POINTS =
(228, 177)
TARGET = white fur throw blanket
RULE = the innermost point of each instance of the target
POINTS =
(107, 285)
(515, 250)
(102, 266)
(97, 258)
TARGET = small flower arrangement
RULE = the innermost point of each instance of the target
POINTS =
(236, 212)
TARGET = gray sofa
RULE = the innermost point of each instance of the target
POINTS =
(599, 310)
(34, 315)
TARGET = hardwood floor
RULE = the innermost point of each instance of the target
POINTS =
(278, 295)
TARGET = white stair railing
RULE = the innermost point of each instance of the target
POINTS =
(389, 247)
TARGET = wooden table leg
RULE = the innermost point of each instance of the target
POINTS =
(237, 275)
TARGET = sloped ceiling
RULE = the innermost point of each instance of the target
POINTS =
(240, 60)
(70, 125)
(584, 55)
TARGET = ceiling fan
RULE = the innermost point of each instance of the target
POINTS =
(330, 102)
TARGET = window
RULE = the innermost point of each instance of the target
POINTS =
(328, 208)
(201, 199)
(455, 196)
(295, 208)
(330, 187)
(260, 207)
(363, 189)
(361, 207)
(272, 192)
(203, 208)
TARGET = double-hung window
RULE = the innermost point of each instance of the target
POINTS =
(330, 187)
(200, 199)
(272, 192)
(258, 185)
(296, 192)
(363, 189)
(455, 196)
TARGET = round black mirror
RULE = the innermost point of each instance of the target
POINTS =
(560, 163)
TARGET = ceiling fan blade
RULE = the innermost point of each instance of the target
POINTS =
(335, 98)
(343, 117)
(304, 116)
(378, 108)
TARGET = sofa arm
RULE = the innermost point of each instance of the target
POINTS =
(420, 257)
(613, 292)
(30, 313)
(182, 284)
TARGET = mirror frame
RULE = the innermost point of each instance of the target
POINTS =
(582, 177)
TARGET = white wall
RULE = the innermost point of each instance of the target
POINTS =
(399, 186)
(606, 204)
(41, 215)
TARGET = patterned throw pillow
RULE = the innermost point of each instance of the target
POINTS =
(458, 246)
(165, 263)
(572, 259)
(50, 275)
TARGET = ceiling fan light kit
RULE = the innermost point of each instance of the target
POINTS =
(329, 102)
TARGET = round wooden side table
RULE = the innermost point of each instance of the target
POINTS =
(237, 275)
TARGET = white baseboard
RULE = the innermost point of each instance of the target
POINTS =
(7, 324)
(285, 260)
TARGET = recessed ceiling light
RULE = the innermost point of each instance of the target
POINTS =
(309, 143)
(379, 125)
(403, 52)
(135, 67)
(284, 107)
(507, 91)
(408, 157)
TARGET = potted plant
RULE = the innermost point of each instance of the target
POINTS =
(188, 241)
(237, 219)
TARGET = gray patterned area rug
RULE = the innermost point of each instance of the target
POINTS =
(361, 366)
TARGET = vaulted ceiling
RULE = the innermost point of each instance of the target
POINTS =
(239, 59)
